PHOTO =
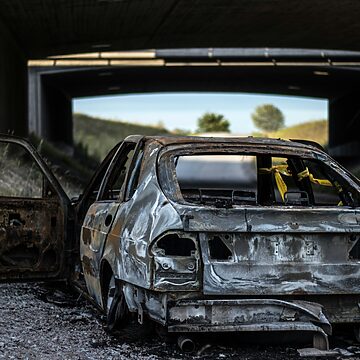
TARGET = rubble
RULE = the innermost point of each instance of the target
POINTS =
(31, 327)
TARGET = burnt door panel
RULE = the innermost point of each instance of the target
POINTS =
(96, 226)
(100, 215)
(33, 216)
(31, 245)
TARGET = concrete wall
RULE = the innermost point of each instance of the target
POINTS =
(50, 109)
(50, 104)
(56, 115)
(13, 86)
(344, 127)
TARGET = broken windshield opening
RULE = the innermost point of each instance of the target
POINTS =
(227, 180)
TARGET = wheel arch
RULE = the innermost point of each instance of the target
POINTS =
(106, 271)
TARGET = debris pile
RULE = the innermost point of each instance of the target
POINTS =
(38, 322)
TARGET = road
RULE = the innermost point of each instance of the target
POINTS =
(43, 322)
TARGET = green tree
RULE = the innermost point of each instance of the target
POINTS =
(212, 122)
(268, 117)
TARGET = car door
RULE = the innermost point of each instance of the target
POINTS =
(35, 217)
(100, 215)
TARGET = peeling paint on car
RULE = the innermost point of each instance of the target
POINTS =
(227, 266)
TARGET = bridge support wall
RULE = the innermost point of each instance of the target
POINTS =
(344, 128)
(50, 110)
(50, 113)
(13, 86)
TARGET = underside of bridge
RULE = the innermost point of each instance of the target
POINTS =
(53, 88)
(32, 29)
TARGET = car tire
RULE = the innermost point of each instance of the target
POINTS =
(117, 312)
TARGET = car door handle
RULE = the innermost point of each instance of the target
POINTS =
(108, 220)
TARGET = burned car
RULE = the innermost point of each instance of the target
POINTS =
(197, 234)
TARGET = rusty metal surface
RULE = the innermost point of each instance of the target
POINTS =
(234, 312)
(277, 264)
(93, 241)
(36, 239)
(158, 246)
(31, 238)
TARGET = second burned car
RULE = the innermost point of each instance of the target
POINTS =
(223, 234)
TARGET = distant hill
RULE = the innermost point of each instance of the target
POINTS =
(316, 130)
(98, 136)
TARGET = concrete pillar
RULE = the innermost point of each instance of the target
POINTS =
(56, 115)
(34, 102)
(13, 86)
(50, 109)
(344, 128)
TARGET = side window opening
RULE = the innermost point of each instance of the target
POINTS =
(117, 173)
(135, 174)
(307, 182)
(92, 192)
(288, 188)
(325, 192)
(20, 175)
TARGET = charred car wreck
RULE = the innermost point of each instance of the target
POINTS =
(198, 234)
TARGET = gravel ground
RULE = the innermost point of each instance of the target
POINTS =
(42, 322)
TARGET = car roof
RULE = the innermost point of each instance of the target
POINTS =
(246, 140)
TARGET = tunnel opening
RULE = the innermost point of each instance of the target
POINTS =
(177, 113)
(173, 72)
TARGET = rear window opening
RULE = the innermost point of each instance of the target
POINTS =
(219, 180)
(227, 180)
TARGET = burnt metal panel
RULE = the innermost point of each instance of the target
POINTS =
(36, 240)
(302, 219)
(259, 251)
(246, 315)
(31, 239)
(279, 264)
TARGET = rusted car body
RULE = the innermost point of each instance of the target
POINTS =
(204, 254)
(218, 234)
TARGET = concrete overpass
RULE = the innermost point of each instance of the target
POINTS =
(333, 75)
(32, 29)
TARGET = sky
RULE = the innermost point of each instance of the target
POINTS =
(181, 110)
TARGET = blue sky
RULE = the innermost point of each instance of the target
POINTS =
(181, 110)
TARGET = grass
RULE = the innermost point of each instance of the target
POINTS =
(316, 130)
(97, 136)
(94, 138)
(72, 172)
